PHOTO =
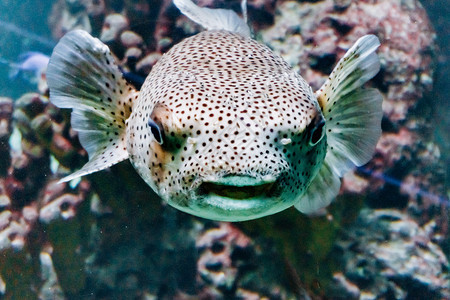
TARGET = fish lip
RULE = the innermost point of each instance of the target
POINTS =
(236, 197)
(232, 201)
(238, 187)
(241, 180)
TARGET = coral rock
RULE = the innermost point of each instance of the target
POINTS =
(6, 108)
(145, 65)
(386, 253)
(218, 264)
(131, 39)
(113, 26)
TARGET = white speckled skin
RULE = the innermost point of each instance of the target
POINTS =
(223, 128)
(235, 120)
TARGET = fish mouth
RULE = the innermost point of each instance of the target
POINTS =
(237, 198)
(237, 192)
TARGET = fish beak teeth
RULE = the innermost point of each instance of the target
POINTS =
(236, 192)
(237, 187)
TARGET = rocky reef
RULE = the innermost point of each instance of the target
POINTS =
(109, 236)
(386, 254)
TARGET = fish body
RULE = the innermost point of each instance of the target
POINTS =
(227, 106)
(30, 62)
(222, 128)
(33, 61)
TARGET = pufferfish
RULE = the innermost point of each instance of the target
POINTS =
(222, 128)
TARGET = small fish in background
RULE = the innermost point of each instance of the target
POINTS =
(34, 63)
(222, 128)
(31, 67)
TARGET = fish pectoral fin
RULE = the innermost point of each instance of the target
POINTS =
(92, 166)
(214, 19)
(353, 122)
(353, 115)
(321, 192)
(82, 75)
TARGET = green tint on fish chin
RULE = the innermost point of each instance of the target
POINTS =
(236, 198)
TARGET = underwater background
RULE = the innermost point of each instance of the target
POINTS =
(386, 236)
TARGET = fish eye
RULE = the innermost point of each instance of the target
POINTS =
(317, 132)
(156, 130)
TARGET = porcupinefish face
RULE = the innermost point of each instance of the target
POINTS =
(224, 129)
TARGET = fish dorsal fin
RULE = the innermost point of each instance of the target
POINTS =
(82, 76)
(214, 19)
(353, 121)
